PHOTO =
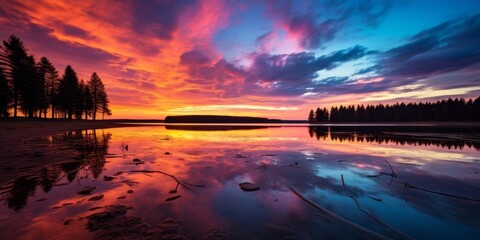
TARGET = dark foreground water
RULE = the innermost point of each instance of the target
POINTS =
(179, 182)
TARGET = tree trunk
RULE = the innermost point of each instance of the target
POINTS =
(15, 103)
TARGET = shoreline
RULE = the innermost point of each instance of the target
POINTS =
(17, 129)
(14, 129)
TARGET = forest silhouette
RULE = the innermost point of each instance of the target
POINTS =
(35, 88)
(444, 110)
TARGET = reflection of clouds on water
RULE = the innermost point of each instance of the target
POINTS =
(425, 155)
(272, 158)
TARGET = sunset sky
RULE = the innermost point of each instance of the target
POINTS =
(275, 59)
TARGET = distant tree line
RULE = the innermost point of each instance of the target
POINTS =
(445, 110)
(217, 119)
(35, 88)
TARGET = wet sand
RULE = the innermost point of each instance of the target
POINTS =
(18, 138)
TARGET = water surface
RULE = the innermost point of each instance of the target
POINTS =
(185, 180)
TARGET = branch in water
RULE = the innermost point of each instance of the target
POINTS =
(371, 213)
(355, 226)
(166, 174)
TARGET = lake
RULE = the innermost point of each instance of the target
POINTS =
(184, 181)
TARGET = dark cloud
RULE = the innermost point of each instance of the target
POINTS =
(158, 18)
(128, 81)
(448, 47)
(74, 31)
(411, 49)
(40, 43)
(221, 77)
(194, 57)
(451, 48)
(263, 38)
(291, 74)
(333, 81)
(373, 68)
(319, 24)
(148, 86)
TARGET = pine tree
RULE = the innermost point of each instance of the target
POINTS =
(88, 102)
(14, 59)
(100, 101)
(311, 116)
(5, 95)
(68, 92)
(105, 104)
(31, 90)
(80, 100)
(49, 76)
(318, 115)
(96, 89)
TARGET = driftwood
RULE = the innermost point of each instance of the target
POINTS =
(183, 184)
(353, 225)
(371, 213)
(376, 199)
(76, 170)
(392, 174)
(406, 184)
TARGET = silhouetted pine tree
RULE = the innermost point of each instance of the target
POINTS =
(311, 116)
(96, 89)
(31, 89)
(68, 92)
(88, 102)
(49, 76)
(13, 59)
(476, 109)
(5, 95)
(105, 104)
(80, 100)
(318, 115)
(321, 115)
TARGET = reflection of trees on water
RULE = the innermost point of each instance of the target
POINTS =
(84, 157)
(200, 127)
(449, 138)
(91, 148)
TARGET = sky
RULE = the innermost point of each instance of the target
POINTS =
(275, 59)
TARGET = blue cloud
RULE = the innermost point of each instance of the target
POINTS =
(292, 74)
